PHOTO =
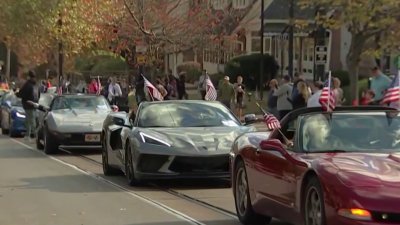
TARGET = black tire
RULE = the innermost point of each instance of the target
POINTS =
(39, 135)
(313, 203)
(129, 168)
(50, 143)
(244, 209)
(107, 169)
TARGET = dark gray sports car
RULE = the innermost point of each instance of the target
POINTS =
(170, 139)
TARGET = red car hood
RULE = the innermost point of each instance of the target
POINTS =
(373, 178)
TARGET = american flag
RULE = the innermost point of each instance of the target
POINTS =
(153, 91)
(392, 94)
(59, 90)
(327, 98)
(98, 86)
(211, 93)
(272, 122)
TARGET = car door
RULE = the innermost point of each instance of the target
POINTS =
(276, 186)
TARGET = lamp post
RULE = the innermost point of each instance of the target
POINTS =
(7, 41)
(291, 37)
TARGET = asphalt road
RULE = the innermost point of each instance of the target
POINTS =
(69, 189)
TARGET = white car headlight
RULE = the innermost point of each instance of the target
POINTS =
(153, 140)
(20, 115)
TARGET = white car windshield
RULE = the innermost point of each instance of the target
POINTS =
(352, 132)
(186, 114)
(80, 102)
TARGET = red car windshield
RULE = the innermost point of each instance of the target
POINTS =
(352, 132)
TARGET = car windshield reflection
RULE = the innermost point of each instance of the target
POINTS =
(352, 132)
(186, 115)
(86, 102)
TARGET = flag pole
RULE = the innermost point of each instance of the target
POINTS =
(330, 87)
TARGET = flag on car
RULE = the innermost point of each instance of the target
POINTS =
(392, 95)
(272, 122)
(211, 93)
(59, 90)
(98, 86)
(327, 98)
(152, 90)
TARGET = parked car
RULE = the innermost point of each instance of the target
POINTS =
(73, 121)
(12, 115)
(326, 168)
(170, 139)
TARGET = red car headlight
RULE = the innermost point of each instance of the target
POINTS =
(356, 214)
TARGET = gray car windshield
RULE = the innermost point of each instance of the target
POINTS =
(352, 132)
(80, 102)
(186, 115)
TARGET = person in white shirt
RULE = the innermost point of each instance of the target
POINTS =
(316, 88)
(114, 91)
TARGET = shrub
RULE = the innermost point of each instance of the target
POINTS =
(248, 66)
(216, 78)
(192, 70)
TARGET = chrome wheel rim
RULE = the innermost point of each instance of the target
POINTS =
(241, 191)
(313, 207)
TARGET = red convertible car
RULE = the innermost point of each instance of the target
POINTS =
(321, 168)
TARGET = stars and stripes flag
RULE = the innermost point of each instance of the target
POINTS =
(272, 122)
(392, 95)
(152, 90)
(98, 92)
(327, 98)
(211, 92)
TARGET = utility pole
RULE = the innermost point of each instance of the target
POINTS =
(7, 41)
(60, 52)
(261, 78)
(291, 37)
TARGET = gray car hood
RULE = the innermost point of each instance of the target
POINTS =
(197, 139)
(78, 120)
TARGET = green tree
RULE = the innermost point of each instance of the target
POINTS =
(372, 24)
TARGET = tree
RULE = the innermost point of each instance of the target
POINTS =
(371, 23)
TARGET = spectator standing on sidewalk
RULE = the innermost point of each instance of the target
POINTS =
(316, 89)
(226, 92)
(273, 100)
(239, 96)
(202, 87)
(29, 92)
(284, 93)
(379, 83)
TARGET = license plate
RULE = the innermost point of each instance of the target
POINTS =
(92, 138)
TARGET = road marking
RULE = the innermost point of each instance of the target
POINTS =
(154, 203)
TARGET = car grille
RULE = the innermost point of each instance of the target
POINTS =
(151, 163)
(200, 164)
(386, 217)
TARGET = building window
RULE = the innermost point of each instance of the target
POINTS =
(256, 44)
(220, 4)
(240, 4)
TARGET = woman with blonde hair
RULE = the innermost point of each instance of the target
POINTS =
(338, 91)
(301, 99)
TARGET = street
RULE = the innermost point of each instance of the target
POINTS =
(69, 188)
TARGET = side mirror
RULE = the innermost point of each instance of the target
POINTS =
(114, 108)
(273, 145)
(250, 118)
(120, 122)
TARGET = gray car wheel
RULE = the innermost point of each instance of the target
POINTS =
(129, 168)
(50, 143)
(244, 209)
(107, 169)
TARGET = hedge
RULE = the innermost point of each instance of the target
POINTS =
(248, 66)
(192, 70)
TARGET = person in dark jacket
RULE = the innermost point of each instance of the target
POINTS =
(29, 93)
(139, 86)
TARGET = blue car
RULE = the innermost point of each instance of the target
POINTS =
(12, 115)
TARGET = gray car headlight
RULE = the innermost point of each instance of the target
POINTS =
(20, 115)
(153, 140)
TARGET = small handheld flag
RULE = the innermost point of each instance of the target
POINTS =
(272, 122)
(327, 98)
(211, 93)
(392, 95)
(152, 90)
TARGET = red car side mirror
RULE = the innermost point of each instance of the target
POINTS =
(273, 145)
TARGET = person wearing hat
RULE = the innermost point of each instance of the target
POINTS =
(28, 94)
(226, 92)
